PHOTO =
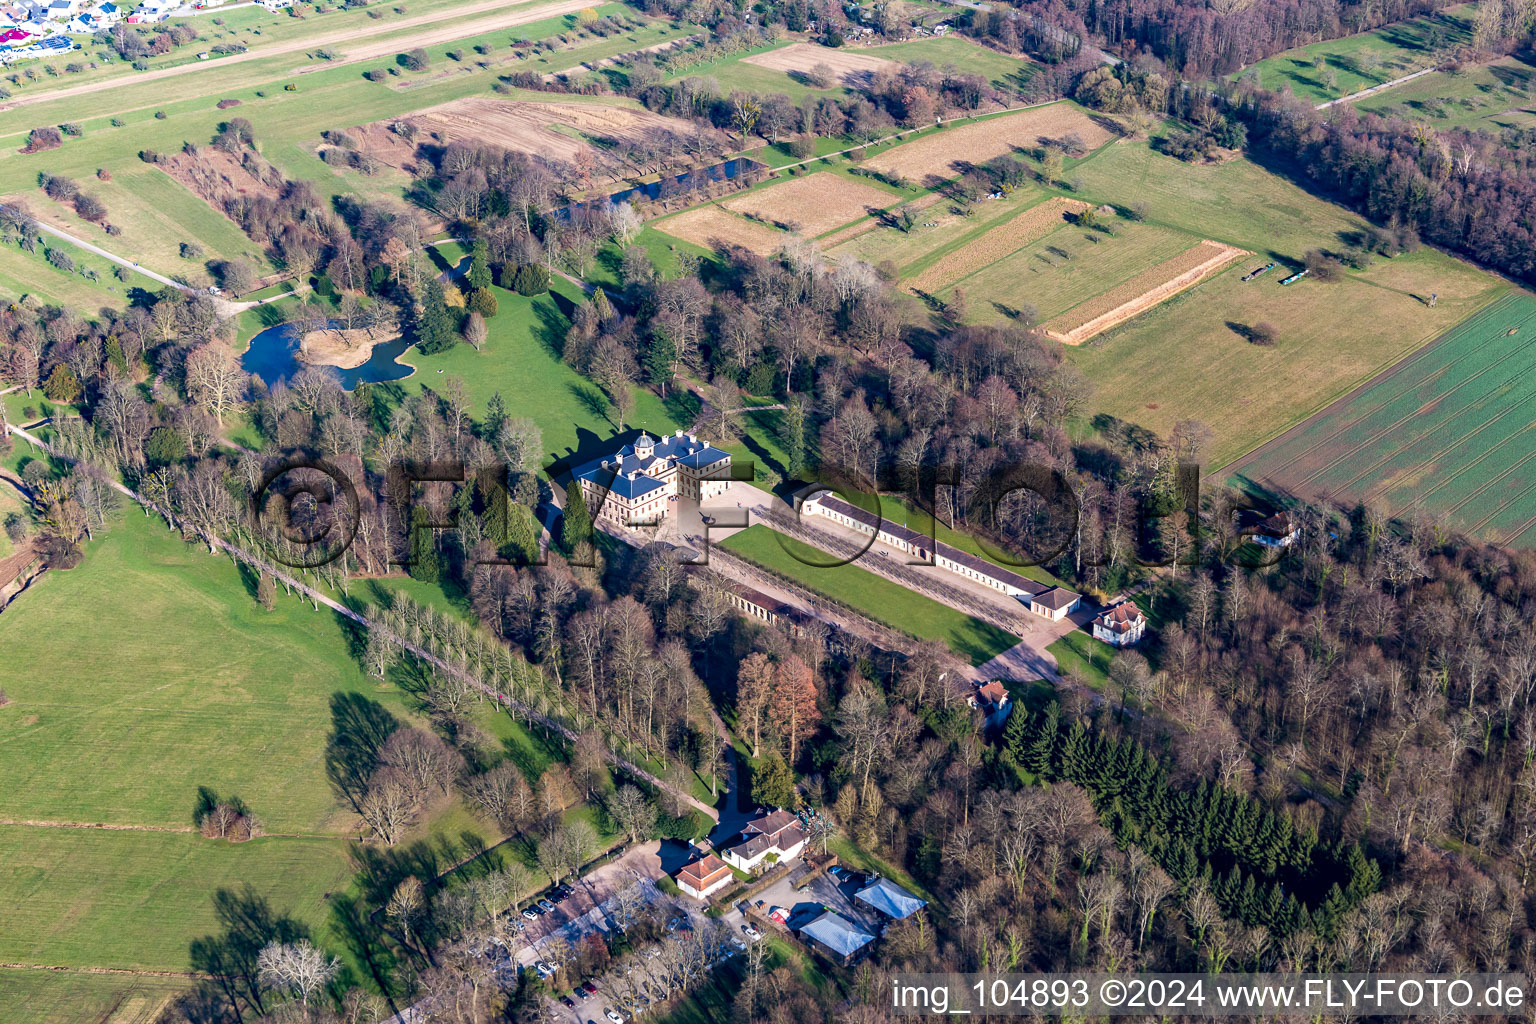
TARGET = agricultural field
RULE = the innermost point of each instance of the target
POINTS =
(801, 60)
(939, 156)
(997, 243)
(1134, 297)
(1381, 313)
(814, 204)
(1339, 67)
(1488, 97)
(711, 227)
(874, 596)
(1448, 434)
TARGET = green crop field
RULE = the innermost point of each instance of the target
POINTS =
(53, 997)
(1332, 336)
(1490, 97)
(875, 596)
(1448, 433)
(1339, 67)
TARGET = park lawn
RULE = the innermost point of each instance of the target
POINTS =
(1066, 268)
(778, 154)
(1247, 393)
(1083, 658)
(1487, 97)
(519, 362)
(83, 897)
(25, 273)
(54, 997)
(202, 688)
(874, 596)
(156, 214)
(1361, 61)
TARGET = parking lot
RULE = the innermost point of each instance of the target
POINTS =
(823, 891)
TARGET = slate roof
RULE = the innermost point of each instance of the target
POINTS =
(837, 933)
(626, 473)
(890, 899)
(942, 550)
(1056, 598)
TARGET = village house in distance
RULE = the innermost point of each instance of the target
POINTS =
(635, 485)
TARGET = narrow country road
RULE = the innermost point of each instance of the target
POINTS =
(317, 598)
(49, 229)
(1373, 90)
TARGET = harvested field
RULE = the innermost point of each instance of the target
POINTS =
(712, 227)
(812, 205)
(1142, 292)
(570, 132)
(1001, 241)
(944, 154)
(850, 66)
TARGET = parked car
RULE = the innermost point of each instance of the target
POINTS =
(531, 914)
(568, 1001)
(589, 988)
(544, 969)
(546, 905)
(614, 1016)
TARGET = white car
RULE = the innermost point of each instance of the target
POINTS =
(614, 1016)
(545, 971)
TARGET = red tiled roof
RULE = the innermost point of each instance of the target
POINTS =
(702, 872)
(1120, 617)
(994, 692)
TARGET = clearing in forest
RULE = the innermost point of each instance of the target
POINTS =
(848, 66)
(1142, 292)
(812, 205)
(945, 154)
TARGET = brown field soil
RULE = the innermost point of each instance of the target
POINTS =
(816, 203)
(344, 349)
(851, 68)
(1142, 292)
(1003, 240)
(942, 154)
(853, 231)
(533, 127)
(711, 226)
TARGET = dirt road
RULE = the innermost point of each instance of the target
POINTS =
(354, 42)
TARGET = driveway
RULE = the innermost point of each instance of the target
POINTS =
(587, 910)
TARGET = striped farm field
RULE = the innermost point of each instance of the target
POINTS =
(1449, 432)
(1142, 292)
(1001, 241)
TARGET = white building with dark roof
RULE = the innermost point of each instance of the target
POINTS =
(1121, 624)
(636, 485)
(777, 834)
(1053, 603)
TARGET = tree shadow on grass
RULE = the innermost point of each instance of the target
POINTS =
(552, 311)
(590, 398)
(359, 727)
(229, 958)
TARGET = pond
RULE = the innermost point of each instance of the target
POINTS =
(273, 356)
